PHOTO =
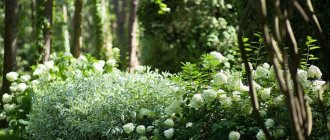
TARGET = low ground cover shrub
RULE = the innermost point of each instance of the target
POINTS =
(110, 106)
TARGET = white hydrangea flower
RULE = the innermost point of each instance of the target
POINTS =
(98, 66)
(209, 95)
(35, 82)
(39, 70)
(9, 107)
(21, 87)
(24, 122)
(6, 98)
(234, 135)
(279, 100)
(25, 78)
(49, 65)
(129, 127)
(218, 56)
(169, 122)
(314, 72)
(265, 93)
(220, 78)
(260, 135)
(269, 123)
(141, 129)
(169, 133)
(111, 62)
(261, 72)
(189, 124)
(302, 75)
(12, 88)
(266, 65)
(196, 101)
(149, 128)
(12, 76)
(236, 96)
(3, 116)
(256, 85)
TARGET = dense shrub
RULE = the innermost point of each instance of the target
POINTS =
(190, 29)
(98, 107)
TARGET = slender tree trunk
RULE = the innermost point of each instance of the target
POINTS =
(47, 33)
(77, 38)
(120, 12)
(133, 59)
(10, 41)
(65, 31)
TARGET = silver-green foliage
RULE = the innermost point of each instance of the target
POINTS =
(89, 108)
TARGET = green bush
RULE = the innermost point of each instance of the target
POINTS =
(97, 107)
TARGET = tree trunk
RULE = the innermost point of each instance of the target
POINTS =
(65, 31)
(48, 13)
(120, 12)
(77, 38)
(133, 59)
(10, 41)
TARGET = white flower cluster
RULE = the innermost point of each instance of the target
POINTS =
(314, 72)
(141, 129)
(129, 127)
(6, 98)
(169, 123)
(233, 135)
(218, 56)
(269, 123)
(98, 66)
(261, 72)
(12, 76)
(209, 95)
(220, 78)
(265, 93)
(261, 135)
(169, 133)
(197, 101)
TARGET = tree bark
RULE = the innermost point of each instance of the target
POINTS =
(120, 12)
(10, 42)
(65, 31)
(133, 59)
(48, 13)
(77, 41)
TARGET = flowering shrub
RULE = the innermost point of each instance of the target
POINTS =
(109, 106)
(18, 103)
(214, 101)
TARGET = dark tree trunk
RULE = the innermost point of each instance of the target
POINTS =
(120, 12)
(77, 38)
(132, 41)
(47, 33)
(10, 40)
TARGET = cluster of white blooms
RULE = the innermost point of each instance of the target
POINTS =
(314, 72)
(209, 95)
(111, 62)
(279, 100)
(21, 87)
(169, 133)
(218, 56)
(12, 76)
(141, 129)
(25, 78)
(6, 98)
(189, 124)
(224, 100)
(98, 66)
(129, 127)
(233, 135)
(143, 138)
(236, 96)
(197, 101)
(3, 116)
(261, 72)
(39, 70)
(169, 123)
(9, 107)
(220, 78)
(149, 128)
(261, 135)
(265, 93)
(269, 123)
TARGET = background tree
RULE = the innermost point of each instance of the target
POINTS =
(77, 37)
(132, 40)
(10, 43)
